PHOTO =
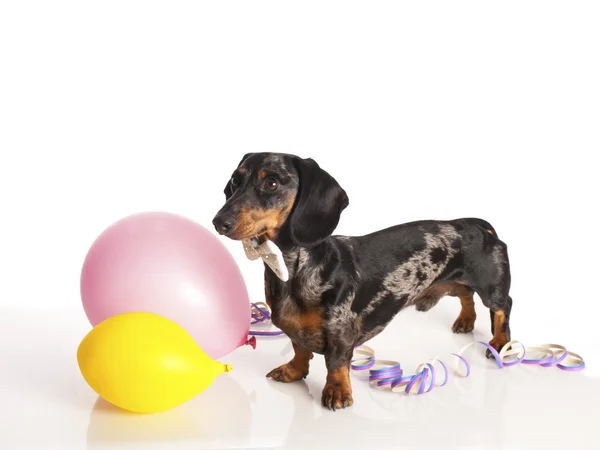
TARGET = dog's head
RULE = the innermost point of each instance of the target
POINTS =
(273, 193)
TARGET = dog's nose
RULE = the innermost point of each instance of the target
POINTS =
(224, 224)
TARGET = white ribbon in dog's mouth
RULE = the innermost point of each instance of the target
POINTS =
(269, 253)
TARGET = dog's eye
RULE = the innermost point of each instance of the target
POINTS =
(271, 184)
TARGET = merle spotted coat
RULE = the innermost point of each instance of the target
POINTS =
(344, 290)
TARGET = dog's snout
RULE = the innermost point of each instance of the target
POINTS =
(224, 224)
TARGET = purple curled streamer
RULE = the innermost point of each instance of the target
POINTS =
(556, 361)
(393, 375)
(540, 361)
(368, 365)
(259, 315)
(575, 367)
(466, 363)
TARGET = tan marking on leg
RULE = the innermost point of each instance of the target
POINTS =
(465, 322)
(294, 370)
(500, 337)
(337, 393)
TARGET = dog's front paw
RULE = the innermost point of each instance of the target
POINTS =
(336, 396)
(287, 373)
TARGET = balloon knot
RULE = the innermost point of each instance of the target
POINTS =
(228, 367)
(252, 342)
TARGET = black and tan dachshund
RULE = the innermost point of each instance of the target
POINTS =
(343, 291)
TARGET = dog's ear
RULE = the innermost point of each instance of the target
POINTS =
(318, 206)
(227, 191)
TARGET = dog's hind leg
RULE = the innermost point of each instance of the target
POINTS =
(465, 322)
(500, 319)
(491, 281)
(495, 295)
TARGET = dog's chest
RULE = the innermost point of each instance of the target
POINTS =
(303, 327)
(296, 308)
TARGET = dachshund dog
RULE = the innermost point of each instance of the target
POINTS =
(343, 291)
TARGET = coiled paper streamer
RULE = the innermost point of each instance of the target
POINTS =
(425, 377)
(260, 314)
(389, 373)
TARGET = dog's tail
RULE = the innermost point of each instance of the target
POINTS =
(482, 223)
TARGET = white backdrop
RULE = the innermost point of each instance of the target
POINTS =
(420, 110)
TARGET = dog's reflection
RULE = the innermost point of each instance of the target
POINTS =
(222, 408)
(401, 421)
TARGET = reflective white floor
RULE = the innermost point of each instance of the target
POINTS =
(46, 404)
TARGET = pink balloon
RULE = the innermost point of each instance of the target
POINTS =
(168, 265)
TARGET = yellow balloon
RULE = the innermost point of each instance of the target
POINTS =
(145, 363)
